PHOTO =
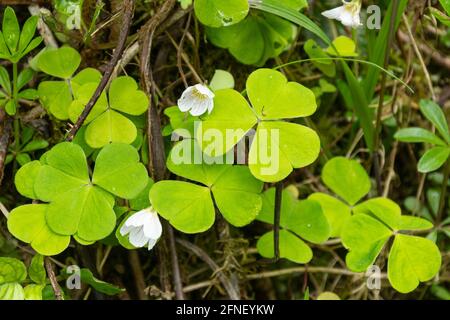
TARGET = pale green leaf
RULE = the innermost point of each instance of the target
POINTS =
(11, 291)
(218, 13)
(335, 211)
(86, 211)
(125, 97)
(36, 270)
(25, 178)
(274, 98)
(60, 63)
(231, 114)
(347, 178)
(221, 80)
(291, 247)
(433, 159)
(412, 260)
(274, 154)
(12, 270)
(28, 224)
(188, 207)
(110, 127)
(435, 114)
(418, 135)
(118, 170)
(236, 194)
(364, 237)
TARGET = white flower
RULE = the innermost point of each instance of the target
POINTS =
(347, 14)
(143, 227)
(197, 100)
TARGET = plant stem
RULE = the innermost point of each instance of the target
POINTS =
(443, 195)
(276, 219)
(15, 99)
(377, 138)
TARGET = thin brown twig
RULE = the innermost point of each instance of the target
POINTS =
(138, 274)
(126, 24)
(53, 281)
(175, 266)
(157, 162)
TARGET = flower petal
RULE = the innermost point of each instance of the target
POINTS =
(153, 227)
(334, 13)
(137, 237)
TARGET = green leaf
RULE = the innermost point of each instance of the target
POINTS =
(184, 161)
(218, 13)
(11, 291)
(289, 13)
(36, 144)
(180, 120)
(60, 63)
(345, 47)
(446, 5)
(33, 45)
(413, 223)
(119, 171)
(326, 295)
(347, 178)
(308, 221)
(433, 159)
(418, 135)
(256, 39)
(291, 247)
(33, 291)
(110, 127)
(28, 94)
(27, 34)
(274, 98)
(11, 29)
(231, 112)
(86, 211)
(435, 114)
(364, 236)
(125, 97)
(384, 209)
(28, 224)
(315, 52)
(25, 179)
(36, 270)
(24, 77)
(5, 81)
(221, 80)
(412, 260)
(188, 207)
(141, 201)
(11, 107)
(335, 211)
(55, 97)
(442, 17)
(66, 169)
(236, 194)
(81, 98)
(4, 51)
(99, 285)
(274, 154)
(12, 270)
(23, 158)
(305, 217)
